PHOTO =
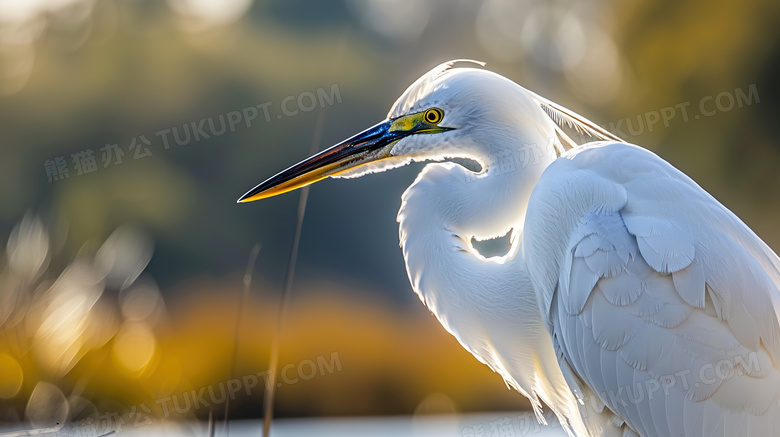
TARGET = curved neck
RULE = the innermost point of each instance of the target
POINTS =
(489, 305)
(448, 205)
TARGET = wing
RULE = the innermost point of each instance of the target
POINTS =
(663, 303)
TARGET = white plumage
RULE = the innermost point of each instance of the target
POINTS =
(631, 301)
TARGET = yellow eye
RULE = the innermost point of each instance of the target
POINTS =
(433, 116)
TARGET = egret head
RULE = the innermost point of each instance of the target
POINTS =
(445, 113)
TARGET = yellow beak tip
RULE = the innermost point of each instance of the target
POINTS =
(257, 196)
(248, 199)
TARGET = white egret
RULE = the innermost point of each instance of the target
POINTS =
(631, 301)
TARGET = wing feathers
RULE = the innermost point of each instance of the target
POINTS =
(689, 283)
(663, 302)
(638, 291)
(621, 290)
(664, 246)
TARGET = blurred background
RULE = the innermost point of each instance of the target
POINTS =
(130, 127)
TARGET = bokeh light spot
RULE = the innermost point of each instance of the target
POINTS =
(12, 378)
(134, 346)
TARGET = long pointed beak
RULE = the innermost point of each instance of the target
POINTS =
(372, 144)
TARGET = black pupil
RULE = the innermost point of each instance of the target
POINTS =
(431, 116)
